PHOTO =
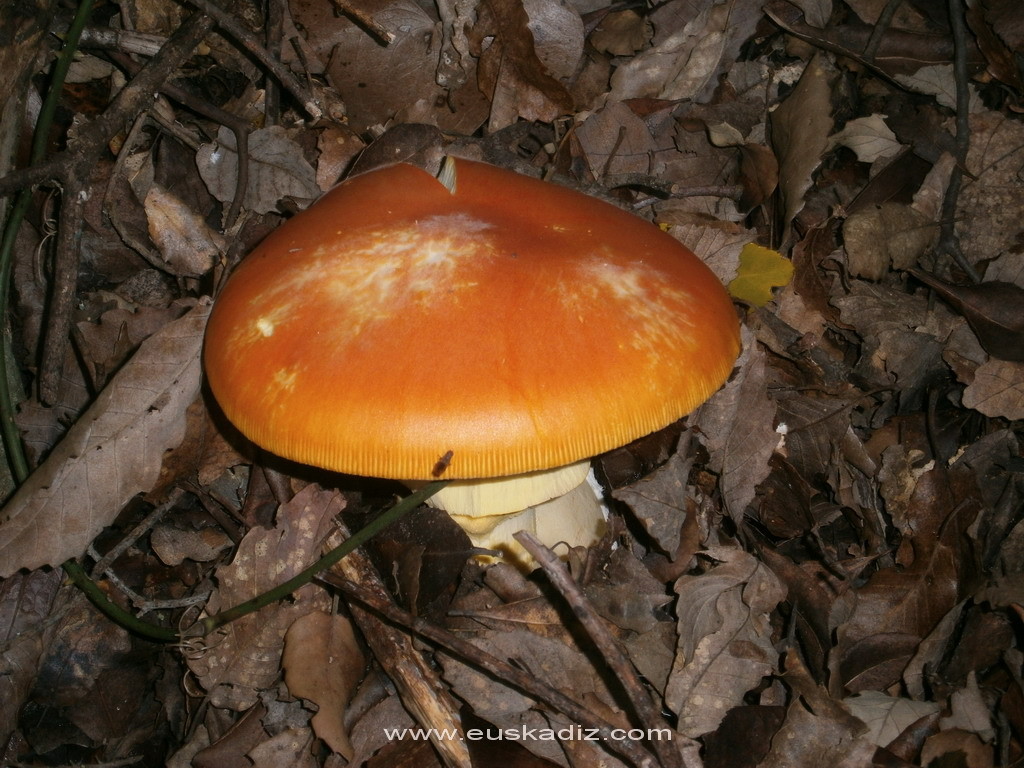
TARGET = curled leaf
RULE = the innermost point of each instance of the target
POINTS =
(994, 310)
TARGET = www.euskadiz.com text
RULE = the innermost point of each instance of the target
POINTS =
(526, 733)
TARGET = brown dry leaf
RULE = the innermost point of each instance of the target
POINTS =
(368, 732)
(659, 502)
(997, 390)
(801, 126)
(737, 427)
(969, 711)
(869, 138)
(109, 342)
(615, 140)
(324, 663)
(397, 82)
(903, 340)
(25, 603)
(113, 451)
(243, 657)
(628, 595)
(957, 746)
(292, 748)
(510, 69)
(621, 33)
(887, 716)
(188, 246)
(277, 169)
(884, 237)
(558, 664)
(694, 43)
(994, 309)
(558, 36)
(817, 729)
(988, 215)
(911, 598)
(174, 545)
(725, 638)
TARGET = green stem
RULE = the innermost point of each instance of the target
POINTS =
(203, 627)
(112, 610)
(210, 623)
(11, 437)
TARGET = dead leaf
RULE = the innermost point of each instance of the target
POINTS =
(188, 246)
(25, 603)
(988, 217)
(869, 138)
(994, 310)
(614, 140)
(884, 237)
(277, 169)
(621, 33)
(817, 730)
(659, 502)
(113, 452)
(736, 424)
(174, 545)
(243, 657)
(725, 638)
(323, 663)
(887, 716)
(694, 43)
(800, 129)
(398, 82)
(292, 748)
(997, 390)
(510, 69)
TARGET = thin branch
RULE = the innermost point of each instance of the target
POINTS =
(881, 27)
(621, 667)
(207, 625)
(516, 677)
(949, 243)
(247, 39)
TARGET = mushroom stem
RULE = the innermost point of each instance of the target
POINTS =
(557, 506)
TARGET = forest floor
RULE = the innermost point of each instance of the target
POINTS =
(821, 566)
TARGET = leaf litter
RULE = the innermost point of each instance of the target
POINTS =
(823, 564)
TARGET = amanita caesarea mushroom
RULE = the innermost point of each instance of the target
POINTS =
(494, 329)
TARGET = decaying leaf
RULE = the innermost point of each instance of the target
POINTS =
(997, 390)
(994, 310)
(725, 645)
(243, 657)
(699, 42)
(659, 502)
(817, 729)
(739, 441)
(988, 218)
(277, 169)
(187, 244)
(869, 137)
(800, 129)
(323, 662)
(510, 69)
(884, 237)
(887, 716)
(112, 453)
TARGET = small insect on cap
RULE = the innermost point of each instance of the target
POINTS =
(398, 329)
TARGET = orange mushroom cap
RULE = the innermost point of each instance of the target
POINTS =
(516, 324)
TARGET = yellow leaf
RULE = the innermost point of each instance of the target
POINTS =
(761, 269)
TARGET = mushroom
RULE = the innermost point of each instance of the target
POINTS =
(495, 330)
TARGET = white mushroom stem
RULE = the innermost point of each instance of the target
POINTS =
(558, 506)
